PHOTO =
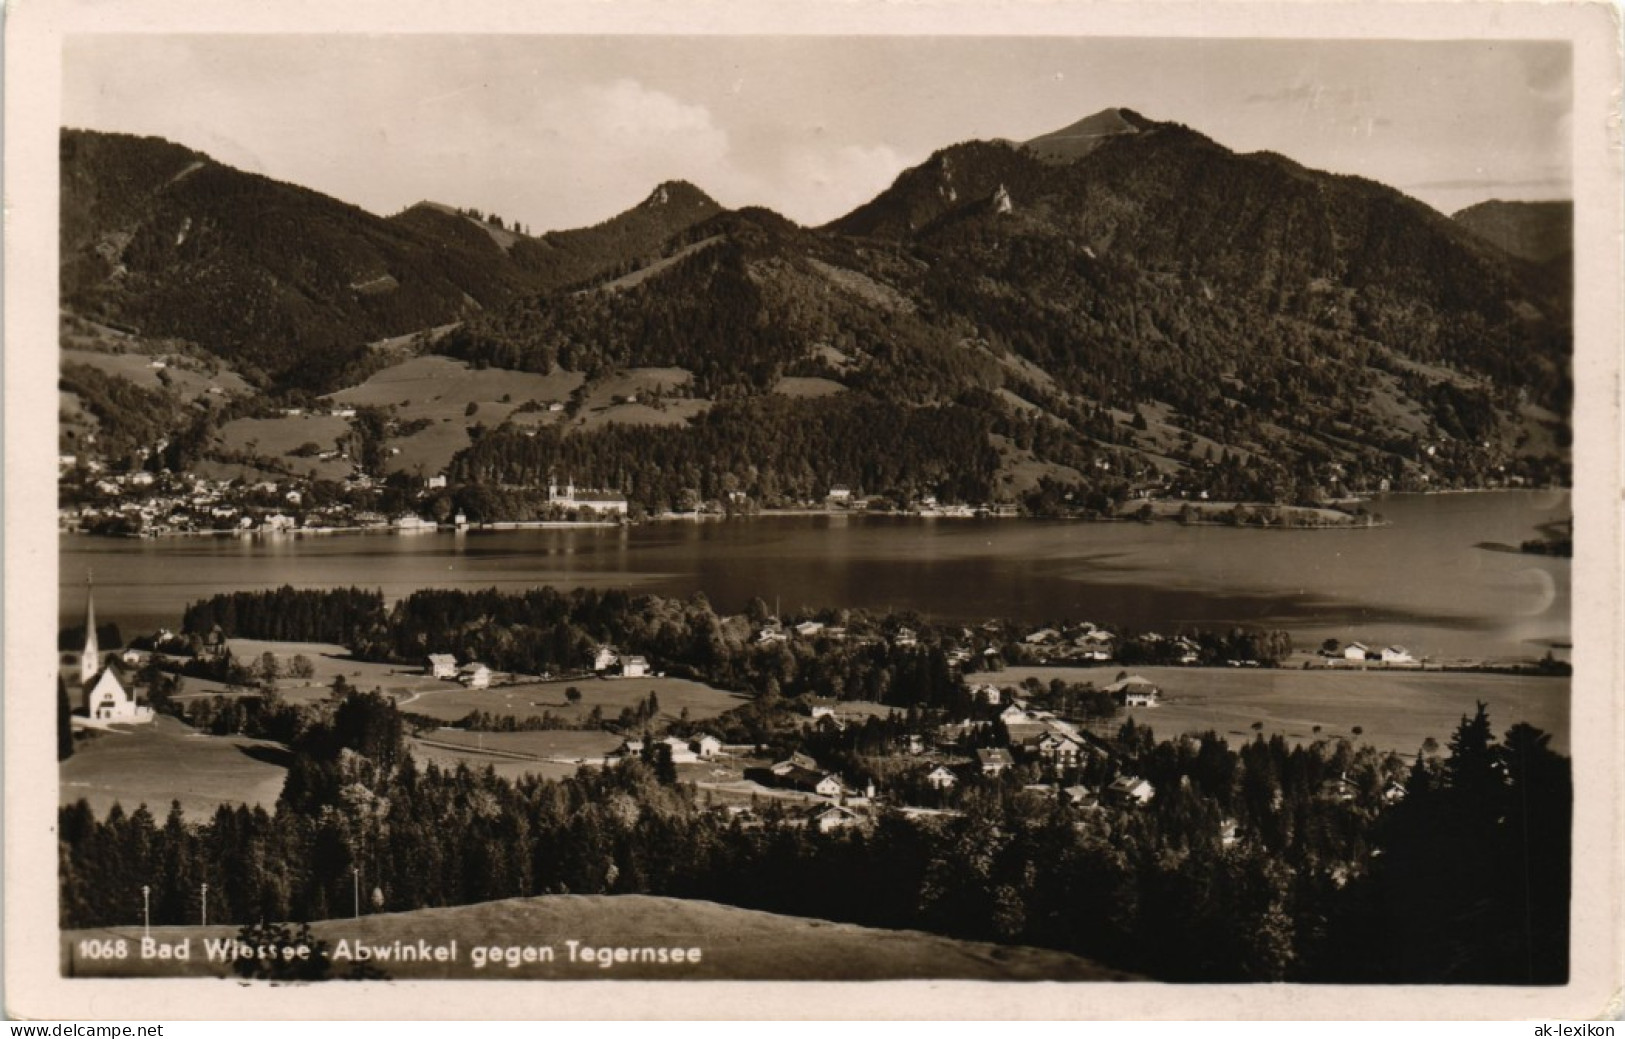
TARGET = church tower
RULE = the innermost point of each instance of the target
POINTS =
(91, 659)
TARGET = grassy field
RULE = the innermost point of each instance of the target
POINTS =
(185, 375)
(509, 768)
(807, 386)
(441, 390)
(329, 662)
(611, 695)
(567, 744)
(734, 944)
(1395, 710)
(671, 413)
(599, 405)
(280, 437)
(436, 387)
(169, 761)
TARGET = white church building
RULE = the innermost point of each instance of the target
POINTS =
(107, 702)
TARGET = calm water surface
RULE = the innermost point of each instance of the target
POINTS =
(1421, 582)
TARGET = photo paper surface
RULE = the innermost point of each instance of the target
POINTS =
(847, 502)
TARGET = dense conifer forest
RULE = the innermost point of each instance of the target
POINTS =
(1242, 868)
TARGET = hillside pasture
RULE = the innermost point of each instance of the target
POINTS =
(436, 387)
(170, 761)
(279, 437)
(623, 399)
(428, 451)
(186, 376)
(440, 390)
(669, 413)
(736, 944)
(807, 387)
(1396, 710)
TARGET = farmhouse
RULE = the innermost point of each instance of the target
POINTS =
(1397, 655)
(1058, 747)
(475, 675)
(604, 658)
(987, 693)
(834, 817)
(705, 746)
(1130, 790)
(994, 760)
(681, 753)
(634, 667)
(794, 761)
(1356, 651)
(1135, 691)
(811, 781)
(442, 665)
(1078, 796)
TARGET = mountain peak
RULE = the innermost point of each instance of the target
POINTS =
(1084, 136)
(678, 193)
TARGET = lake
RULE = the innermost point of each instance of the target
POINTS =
(1422, 581)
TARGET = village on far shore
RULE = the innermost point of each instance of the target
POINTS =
(145, 503)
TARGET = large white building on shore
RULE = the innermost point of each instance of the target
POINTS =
(572, 497)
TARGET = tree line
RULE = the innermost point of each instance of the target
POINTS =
(1242, 868)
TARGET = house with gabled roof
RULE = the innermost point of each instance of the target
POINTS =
(994, 760)
(794, 761)
(1135, 691)
(705, 746)
(442, 665)
(1129, 790)
(833, 817)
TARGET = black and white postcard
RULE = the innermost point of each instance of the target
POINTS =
(978, 495)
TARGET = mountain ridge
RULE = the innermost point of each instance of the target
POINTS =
(1151, 312)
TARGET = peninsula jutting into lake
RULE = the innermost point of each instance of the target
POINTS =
(1122, 544)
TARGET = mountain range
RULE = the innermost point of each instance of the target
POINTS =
(1120, 305)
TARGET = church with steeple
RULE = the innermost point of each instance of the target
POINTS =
(106, 700)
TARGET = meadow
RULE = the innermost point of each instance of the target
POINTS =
(610, 695)
(1395, 710)
(170, 761)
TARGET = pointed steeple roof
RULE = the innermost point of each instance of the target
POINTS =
(90, 659)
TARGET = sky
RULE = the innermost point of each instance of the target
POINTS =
(566, 131)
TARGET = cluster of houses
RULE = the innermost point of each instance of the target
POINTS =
(160, 504)
(693, 750)
(473, 674)
(1360, 653)
(606, 662)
